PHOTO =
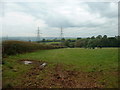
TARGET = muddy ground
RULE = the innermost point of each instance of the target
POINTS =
(56, 76)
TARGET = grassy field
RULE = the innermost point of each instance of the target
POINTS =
(53, 42)
(101, 64)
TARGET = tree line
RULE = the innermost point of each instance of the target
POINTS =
(90, 42)
(98, 41)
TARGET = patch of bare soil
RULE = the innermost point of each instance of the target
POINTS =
(73, 79)
(58, 77)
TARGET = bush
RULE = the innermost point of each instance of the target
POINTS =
(17, 47)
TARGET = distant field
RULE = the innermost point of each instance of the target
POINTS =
(101, 64)
(53, 42)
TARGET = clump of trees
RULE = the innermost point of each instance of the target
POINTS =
(92, 42)
(69, 43)
(99, 42)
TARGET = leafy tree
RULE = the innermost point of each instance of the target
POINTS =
(63, 39)
(71, 45)
(105, 37)
(92, 37)
(81, 43)
(99, 37)
(66, 43)
(43, 40)
(79, 38)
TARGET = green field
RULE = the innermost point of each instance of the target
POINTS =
(53, 42)
(101, 63)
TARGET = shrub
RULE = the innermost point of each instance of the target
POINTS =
(17, 47)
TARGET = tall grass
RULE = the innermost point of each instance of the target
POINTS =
(17, 47)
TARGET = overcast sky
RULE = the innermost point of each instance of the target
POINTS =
(78, 19)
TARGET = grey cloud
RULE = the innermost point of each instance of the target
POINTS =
(47, 13)
(103, 8)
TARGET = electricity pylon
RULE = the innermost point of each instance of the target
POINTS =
(38, 35)
(61, 34)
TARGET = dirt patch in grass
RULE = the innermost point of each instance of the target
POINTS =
(74, 79)
(56, 76)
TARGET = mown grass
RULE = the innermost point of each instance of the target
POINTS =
(86, 60)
